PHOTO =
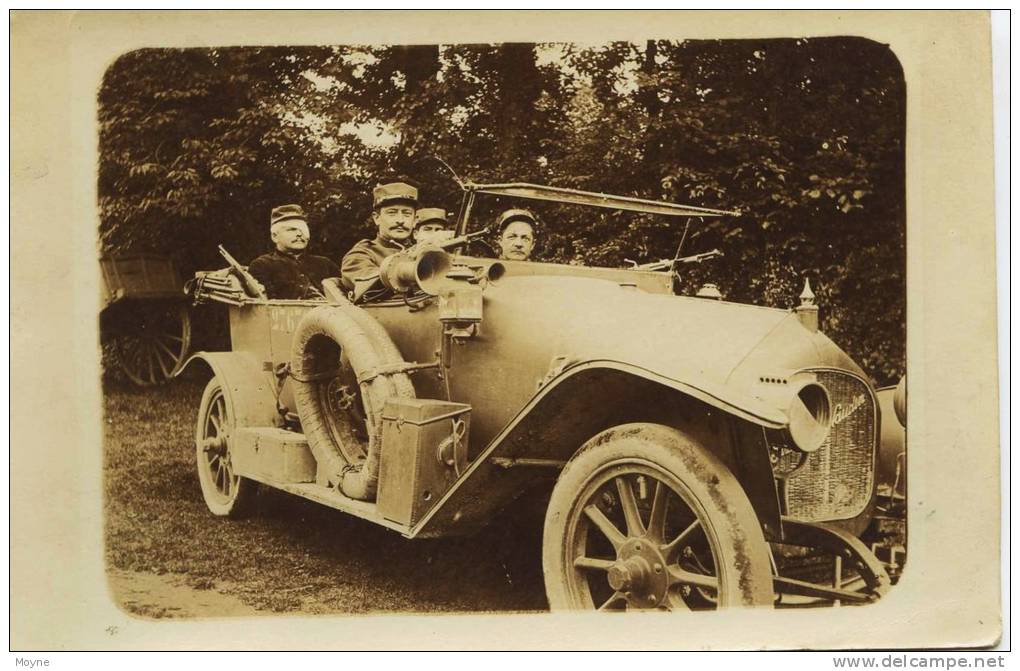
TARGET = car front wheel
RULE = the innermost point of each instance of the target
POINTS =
(644, 518)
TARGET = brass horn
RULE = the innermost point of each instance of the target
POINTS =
(430, 271)
(494, 271)
(436, 272)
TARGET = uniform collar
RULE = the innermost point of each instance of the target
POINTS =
(286, 255)
(390, 244)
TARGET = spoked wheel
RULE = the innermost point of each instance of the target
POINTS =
(346, 418)
(152, 341)
(226, 493)
(643, 518)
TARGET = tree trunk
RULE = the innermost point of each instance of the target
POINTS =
(648, 96)
(419, 64)
(520, 86)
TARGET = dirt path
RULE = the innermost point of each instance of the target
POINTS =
(168, 596)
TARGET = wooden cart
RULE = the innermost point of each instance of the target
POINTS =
(145, 318)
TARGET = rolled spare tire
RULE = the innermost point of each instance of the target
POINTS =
(345, 367)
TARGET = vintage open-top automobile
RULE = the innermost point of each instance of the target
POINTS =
(699, 453)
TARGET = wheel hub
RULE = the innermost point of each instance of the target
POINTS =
(625, 576)
(216, 445)
(639, 573)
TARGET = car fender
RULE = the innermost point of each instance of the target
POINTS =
(533, 447)
(891, 474)
(250, 391)
(724, 398)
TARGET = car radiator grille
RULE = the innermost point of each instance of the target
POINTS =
(836, 480)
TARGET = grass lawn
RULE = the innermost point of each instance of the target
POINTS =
(292, 555)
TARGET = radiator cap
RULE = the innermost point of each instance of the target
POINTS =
(807, 311)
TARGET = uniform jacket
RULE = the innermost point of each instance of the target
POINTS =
(292, 277)
(364, 259)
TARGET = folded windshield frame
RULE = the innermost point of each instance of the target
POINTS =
(577, 197)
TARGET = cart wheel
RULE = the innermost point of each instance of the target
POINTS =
(152, 342)
(643, 518)
(226, 494)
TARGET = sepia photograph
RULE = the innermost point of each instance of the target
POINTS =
(503, 327)
(653, 292)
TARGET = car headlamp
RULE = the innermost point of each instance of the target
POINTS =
(806, 404)
(810, 414)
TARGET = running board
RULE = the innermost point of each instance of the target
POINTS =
(282, 460)
(366, 510)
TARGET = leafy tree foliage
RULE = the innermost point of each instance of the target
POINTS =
(198, 145)
(803, 138)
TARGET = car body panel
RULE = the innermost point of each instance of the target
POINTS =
(566, 330)
(569, 321)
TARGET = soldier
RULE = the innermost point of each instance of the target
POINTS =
(287, 272)
(393, 214)
(431, 224)
(516, 234)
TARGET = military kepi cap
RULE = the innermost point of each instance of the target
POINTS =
(395, 191)
(286, 213)
(429, 215)
(510, 216)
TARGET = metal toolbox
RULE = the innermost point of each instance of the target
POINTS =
(267, 453)
(424, 449)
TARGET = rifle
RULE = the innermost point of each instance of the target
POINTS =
(460, 240)
(251, 285)
(669, 264)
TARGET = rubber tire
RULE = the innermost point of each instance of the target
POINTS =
(725, 509)
(242, 502)
(336, 331)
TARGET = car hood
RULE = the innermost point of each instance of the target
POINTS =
(714, 345)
